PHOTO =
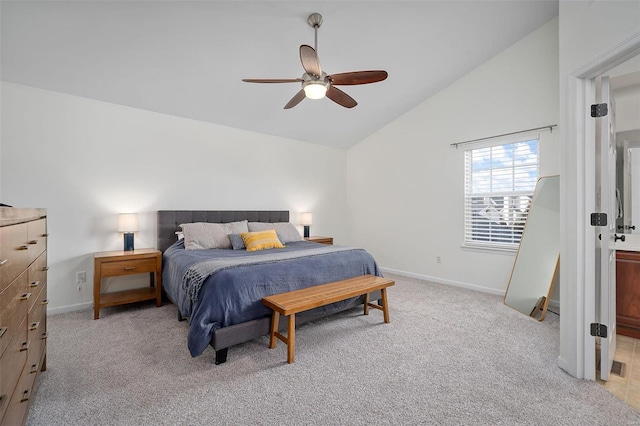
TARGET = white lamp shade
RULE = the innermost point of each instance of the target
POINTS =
(306, 219)
(315, 90)
(128, 222)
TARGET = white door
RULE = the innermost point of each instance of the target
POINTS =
(606, 309)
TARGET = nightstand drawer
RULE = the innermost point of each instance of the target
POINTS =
(127, 267)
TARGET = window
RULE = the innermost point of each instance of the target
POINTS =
(499, 185)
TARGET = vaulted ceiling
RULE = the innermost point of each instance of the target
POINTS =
(187, 58)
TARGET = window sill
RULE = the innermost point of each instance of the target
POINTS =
(510, 251)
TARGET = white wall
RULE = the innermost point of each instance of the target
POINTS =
(587, 30)
(405, 182)
(86, 161)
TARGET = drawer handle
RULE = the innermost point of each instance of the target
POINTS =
(25, 396)
(46, 268)
(44, 335)
(24, 346)
(34, 369)
(3, 261)
(45, 235)
(25, 296)
(129, 268)
(34, 284)
(45, 302)
(34, 325)
(3, 330)
(23, 248)
(33, 242)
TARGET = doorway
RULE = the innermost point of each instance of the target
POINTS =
(579, 303)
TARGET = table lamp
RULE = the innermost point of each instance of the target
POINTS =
(128, 223)
(306, 220)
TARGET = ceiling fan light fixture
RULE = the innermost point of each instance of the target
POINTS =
(315, 90)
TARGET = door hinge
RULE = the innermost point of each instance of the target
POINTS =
(599, 110)
(598, 219)
(598, 330)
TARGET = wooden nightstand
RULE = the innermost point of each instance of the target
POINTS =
(321, 240)
(118, 263)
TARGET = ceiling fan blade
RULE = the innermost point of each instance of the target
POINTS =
(272, 80)
(341, 98)
(310, 61)
(295, 100)
(358, 77)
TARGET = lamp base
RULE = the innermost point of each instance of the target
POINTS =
(128, 241)
(306, 231)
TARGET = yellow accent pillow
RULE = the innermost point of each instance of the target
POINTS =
(261, 240)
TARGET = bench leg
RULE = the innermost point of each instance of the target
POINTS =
(275, 319)
(291, 339)
(385, 305)
(366, 304)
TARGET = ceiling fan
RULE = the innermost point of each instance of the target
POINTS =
(317, 84)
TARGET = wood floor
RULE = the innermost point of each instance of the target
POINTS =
(626, 385)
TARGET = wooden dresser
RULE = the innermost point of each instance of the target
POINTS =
(628, 293)
(23, 308)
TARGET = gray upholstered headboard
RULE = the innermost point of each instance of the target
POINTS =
(169, 220)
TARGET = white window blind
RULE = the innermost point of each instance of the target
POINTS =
(499, 184)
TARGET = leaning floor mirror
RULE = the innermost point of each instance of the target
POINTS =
(537, 261)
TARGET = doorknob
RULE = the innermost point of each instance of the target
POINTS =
(617, 237)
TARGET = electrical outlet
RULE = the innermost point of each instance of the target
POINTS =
(438, 259)
(81, 277)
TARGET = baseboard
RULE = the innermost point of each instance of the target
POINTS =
(443, 281)
(70, 308)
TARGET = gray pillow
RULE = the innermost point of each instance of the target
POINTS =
(287, 231)
(202, 235)
(238, 243)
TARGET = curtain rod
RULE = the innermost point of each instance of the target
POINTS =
(550, 127)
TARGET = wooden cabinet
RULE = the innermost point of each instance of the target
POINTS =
(118, 263)
(321, 240)
(23, 309)
(628, 293)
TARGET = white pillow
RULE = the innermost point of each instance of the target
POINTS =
(287, 231)
(201, 235)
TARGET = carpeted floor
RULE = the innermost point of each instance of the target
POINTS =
(449, 356)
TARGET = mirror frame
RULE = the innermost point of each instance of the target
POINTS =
(548, 255)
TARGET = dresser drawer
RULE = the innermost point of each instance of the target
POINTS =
(37, 340)
(36, 238)
(14, 257)
(19, 404)
(127, 267)
(13, 361)
(13, 308)
(37, 278)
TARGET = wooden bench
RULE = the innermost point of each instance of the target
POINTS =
(293, 302)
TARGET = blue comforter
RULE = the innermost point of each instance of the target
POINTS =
(233, 294)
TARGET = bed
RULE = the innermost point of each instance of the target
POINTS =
(220, 290)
